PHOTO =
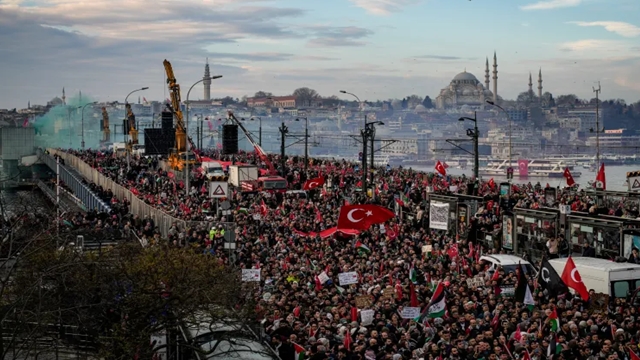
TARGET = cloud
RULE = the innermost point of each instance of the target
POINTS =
(603, 46)
(551, 4)
(442, 57)
(251, 56)
(618, 27)
(383, 7)
(338, 36)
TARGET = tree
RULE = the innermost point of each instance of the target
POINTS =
(413, 101)
(305, 96)
(262, 94)
(567, 100)
(427, 103)
(527, 99)
(547, 100)
(124, 296)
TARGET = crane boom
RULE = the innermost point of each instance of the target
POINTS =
(131, 120)
(259, 151)
(174, 88)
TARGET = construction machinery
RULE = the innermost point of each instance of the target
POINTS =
(272, 182)
(178, 156)
(133, 132)
(106, 132)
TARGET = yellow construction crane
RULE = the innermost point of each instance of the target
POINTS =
(133, 132)
(178, 155)
(106, 132)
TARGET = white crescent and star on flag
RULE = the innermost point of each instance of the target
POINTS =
(575, 276)
(354, 220)
(544, 274)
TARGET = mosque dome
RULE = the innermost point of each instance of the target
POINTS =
(420, 108)
(465, 76)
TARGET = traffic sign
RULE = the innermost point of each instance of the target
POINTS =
(218, 189)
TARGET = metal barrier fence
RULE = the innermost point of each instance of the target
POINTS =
(138, 207)
(90, 199)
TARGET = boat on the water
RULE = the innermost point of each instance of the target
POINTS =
(535, 168)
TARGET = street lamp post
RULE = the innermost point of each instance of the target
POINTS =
(306, 143)
(475, 136)
(366, 134)
(186, 130)
(125, 131)
(509, 119)
(369, 133)
(85, 105)
(69, 114)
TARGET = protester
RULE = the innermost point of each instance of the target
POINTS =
(400, 264)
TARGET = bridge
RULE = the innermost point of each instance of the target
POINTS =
(82, 196)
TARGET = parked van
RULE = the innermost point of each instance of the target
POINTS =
(604, 276)
(211, 169)
(509, 263)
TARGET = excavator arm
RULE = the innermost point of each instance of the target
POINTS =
(259, 151)
(174, 88)
(133, 132)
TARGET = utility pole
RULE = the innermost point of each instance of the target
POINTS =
(306, 145)
(597, 91)
(283, 135)
(475, 136)
(365, 137)
(372, 136)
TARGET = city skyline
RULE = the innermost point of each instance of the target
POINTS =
(378, 49)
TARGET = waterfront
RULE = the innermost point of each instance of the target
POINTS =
(616, 176)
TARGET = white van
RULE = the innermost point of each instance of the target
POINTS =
(211, 169)
(604, 276)
(508, 262)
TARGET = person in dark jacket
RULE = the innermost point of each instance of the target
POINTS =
(634, 257)
(588, 251)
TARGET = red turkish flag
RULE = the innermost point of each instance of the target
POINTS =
(567, 175)
(361, 217)
(572, 278)
(601, 180)
(263, 209)
(441, 169)
(313, 183)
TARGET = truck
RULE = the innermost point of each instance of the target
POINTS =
(618, 280)
(239, 174)
(272, 182)
(211, 168)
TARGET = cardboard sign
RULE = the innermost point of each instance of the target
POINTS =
(366, 317)
(475, 282)
(599, 304)
(363, 301)
(323, 277)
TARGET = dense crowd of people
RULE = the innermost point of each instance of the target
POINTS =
(399, 264)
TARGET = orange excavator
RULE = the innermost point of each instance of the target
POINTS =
(179, 155)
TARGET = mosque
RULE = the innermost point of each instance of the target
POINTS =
(466, 89)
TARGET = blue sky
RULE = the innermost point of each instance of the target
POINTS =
(378, 49)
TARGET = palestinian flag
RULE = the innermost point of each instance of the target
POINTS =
(554, 321)
(413, 275)
(553, 348)
(362, 248)
(340, 290)
(437, 306)
(402, 200)
(243, 211)
(300, 352)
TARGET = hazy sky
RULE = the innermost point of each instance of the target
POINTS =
(378, 49)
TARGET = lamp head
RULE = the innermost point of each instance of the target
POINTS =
(145, 88)
(380, 123)
(342, 91)
(461, 119)
(490, 102)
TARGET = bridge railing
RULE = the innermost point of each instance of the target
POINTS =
(162, 220)
(90, 199)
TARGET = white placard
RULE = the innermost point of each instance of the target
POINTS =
(438, 215)
(251, 275)
(218, 189)
(565, 209)
(366, 317)
(323, 277)
(348, 278)
(410, 312)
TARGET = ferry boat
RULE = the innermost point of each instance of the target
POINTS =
(536, 168)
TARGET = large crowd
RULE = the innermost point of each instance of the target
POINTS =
(308, 314)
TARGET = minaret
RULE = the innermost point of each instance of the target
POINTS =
(487, 76)
(64, 98)
(29, 105)
(540, 83)
(80, 96)
(207, 82)
(495, 78)
(530, 84)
